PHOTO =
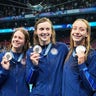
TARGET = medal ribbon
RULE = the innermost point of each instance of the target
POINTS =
(47, 50)
(20, 57)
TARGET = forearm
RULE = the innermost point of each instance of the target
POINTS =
(87, 78)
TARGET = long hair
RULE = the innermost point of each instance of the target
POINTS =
(86, 41)
(35, 37)
(27, 38)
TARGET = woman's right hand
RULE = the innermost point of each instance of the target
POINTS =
(35, 58)
(5, 63)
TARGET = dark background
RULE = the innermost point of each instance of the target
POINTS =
(9, 8)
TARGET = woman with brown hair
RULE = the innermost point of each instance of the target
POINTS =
(12, 66)
(45, 61)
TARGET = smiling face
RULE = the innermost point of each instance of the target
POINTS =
(79, 32)
(44, 32)
(18, 41)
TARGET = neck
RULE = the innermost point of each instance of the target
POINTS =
(79, 43)
(16, 50)
(44, 43)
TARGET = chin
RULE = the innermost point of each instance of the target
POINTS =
(16, 47)
(77, 39)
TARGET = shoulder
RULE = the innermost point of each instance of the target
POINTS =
(29, 50)
(91, 54)
(1, 55)
(61, 45)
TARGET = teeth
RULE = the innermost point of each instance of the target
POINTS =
(44, 34)
(76, 36)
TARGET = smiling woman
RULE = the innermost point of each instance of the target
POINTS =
(43, 70)
(79, 71)
(12, 66)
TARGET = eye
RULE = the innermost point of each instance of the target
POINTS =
(47, 29)
(74, 28)
(41, 29)
(82, 29)
(14, 36)
(20, 37)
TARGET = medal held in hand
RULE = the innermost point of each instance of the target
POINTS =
(8, 55)
(37, 49)
(80, 48)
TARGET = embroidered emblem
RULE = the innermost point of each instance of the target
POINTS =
(54, 51)
(23, 61)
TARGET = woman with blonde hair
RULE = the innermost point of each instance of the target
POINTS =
(79, 71)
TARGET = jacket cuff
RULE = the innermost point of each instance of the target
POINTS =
(82, 67)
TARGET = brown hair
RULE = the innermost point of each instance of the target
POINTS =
(27, 38)
(35, 37)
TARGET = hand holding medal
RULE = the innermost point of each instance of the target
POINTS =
(80, 52)
(8, 55)
(36, 54)
(5, 61)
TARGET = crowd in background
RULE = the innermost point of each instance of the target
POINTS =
(57, 5)
(54, 5)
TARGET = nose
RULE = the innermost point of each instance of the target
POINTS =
(77, 31)
(16, 39)
(44, 31)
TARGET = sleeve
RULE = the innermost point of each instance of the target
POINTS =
(3, 75)
(88, 72)
(31, 70)
(67, 50)
(3, 72)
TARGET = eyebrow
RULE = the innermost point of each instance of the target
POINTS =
(78, 27)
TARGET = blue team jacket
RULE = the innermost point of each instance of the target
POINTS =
(12, 82)
(47, 76)
(79, 80)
